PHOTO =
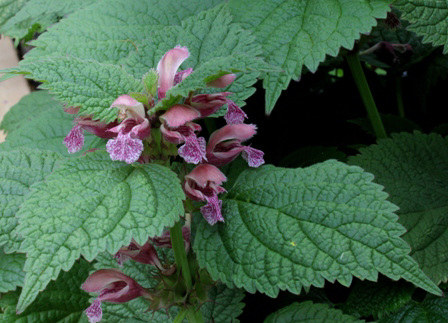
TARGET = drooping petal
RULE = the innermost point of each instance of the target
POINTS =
(129, 106)
(254, 157)
(208, 104)
(96, 127)
(168, 66)
(125, 148)
(203, 174)
(212, 211)
(94, 312)
(179, 114)
(223, 81)
(193, 151)
(182, 75)
(74, 140)
(234, 113)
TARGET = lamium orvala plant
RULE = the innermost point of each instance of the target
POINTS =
(134, 187)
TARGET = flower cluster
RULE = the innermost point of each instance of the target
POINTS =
(137, 124)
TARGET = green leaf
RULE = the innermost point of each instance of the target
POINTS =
(37, 15)
(8, 8)
(300, 33)
(46, 130)
(432, 309)
(20, 169)
(90, 205)
(91, 85)
(309, 312)
(428, 18)
(377, 299)
(413, 170)
(62, 301)
(224, 304)
(293, 228)
(11, 271)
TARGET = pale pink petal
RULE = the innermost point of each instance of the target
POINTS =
(193, 151)
(168, 67)
(234, 113)
(254, 157)
(182, 75)
(203, 174)
(74, 140)
(212, 211)
(179, 114)
(223, 81)
(94, 312)
(130, 106)
(125, 148)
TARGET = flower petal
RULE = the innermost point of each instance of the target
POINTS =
(94, 312)
(234, 113)
(193, 151)
(168, 67)
(130, 106)
(254, 157)
(212, 211)
(182, 75)
(74, 140)
(223, 81)
(125, 148)
(179, 114)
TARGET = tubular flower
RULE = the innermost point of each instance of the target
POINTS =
(145, 254)
(128, 145)
(234, 113)
(112, 286)
(207, 104)
(203, 184)
(224, 145)
(177, 128)
(223, 81)
(167, 68)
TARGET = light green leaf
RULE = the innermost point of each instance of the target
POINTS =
(43, 129)
(428, 18)
(62, 301)
(293, 228)
(91, 85)
(37, 15)
(224, 304)
(432, 309)
(309, 312)
(413, 170)
(294, 33)
(8, 8)
(11, 271)
(19, 170)
(90, 205)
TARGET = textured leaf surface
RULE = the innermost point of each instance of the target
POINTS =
(89, 205)
(428, 18)
(309, 312)
(224, 304)
(377, 299)
(413, 169)
(300, 33)
(290, 228)
(432, 309)
(11, 271)
(62, 301)
(37, 15)
(8, 8)
(19, 170)
(44, 129)
(91, 85)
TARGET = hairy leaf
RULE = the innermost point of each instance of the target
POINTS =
(224, 304)
(413, 169)
(309, 312)
(293, 228)
(90, 205)
(11, 271)
(8, 8)
(294, 33)
(428, 18)
(19, 170)
(62, 301)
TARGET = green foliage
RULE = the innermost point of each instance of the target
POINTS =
(294, 34)
(8, 8)
(377, 299)
(89, 205)
(11, 271)
(428, 18)
(37, 15)
(62, 301)
(224, 304)
(309, 312)
(413, 170)
(19, 170)
(39, 122)
(293, 228)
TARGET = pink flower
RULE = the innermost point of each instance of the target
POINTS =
(128, 145)
(167, 68)
(234, 113)
(203, 184)
(207, 104)
(145, 254)
(224, 145)
(112, 286)
(164, 241)
(177, 128)
(223, 81)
